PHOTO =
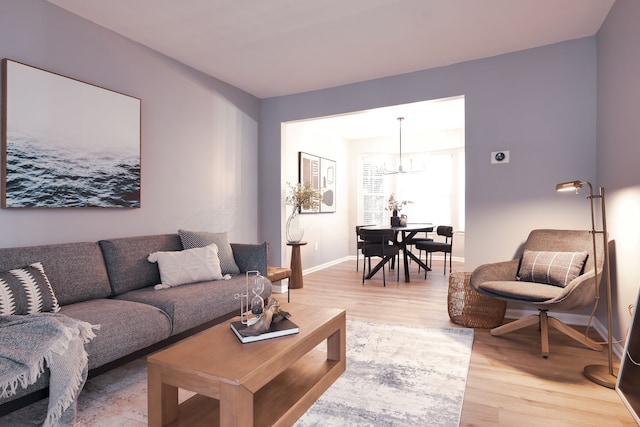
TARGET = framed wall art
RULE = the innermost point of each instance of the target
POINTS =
(321, 174)
(66, 143)
(328, 185)
(308, 173)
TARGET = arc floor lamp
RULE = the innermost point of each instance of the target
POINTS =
(599, 374)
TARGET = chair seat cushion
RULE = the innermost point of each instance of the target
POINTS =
(523, 291)
(433, 246)
(375, 249)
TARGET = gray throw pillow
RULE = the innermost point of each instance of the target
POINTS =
(26, 290)
(251, 257)
(553, 268)
(200, 239)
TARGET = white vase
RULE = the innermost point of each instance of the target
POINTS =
(295, 227)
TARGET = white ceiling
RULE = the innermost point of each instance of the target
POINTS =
(279, 47)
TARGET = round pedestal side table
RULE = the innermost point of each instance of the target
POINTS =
(295, 281)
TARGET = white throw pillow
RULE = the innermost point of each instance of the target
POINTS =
(187, 266)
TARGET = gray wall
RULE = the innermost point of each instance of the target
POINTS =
(619, 151)
(199, 135)
(540, 104)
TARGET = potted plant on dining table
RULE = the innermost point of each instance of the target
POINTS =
(395, 206)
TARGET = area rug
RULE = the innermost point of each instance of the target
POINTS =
(397, 375)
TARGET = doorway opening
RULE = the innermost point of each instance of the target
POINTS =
(365, 146)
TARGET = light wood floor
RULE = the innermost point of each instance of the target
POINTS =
(509, 382)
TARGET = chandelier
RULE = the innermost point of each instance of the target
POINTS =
(400, 170)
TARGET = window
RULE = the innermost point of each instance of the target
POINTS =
(373, 191)
(436, 193)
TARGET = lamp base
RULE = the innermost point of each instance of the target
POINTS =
(600, 375)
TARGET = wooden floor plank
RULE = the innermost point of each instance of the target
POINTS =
(509, 383)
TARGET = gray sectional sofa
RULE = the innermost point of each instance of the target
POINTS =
(111, 283)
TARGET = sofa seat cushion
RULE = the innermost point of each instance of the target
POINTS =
(126, 260)
(524, 291)
(41, 383)
(125, 327)
(194, 304)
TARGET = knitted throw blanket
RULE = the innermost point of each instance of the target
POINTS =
(29, 343)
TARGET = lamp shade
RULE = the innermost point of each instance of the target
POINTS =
(568, 186)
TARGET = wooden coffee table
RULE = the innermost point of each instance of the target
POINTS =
(270, 382)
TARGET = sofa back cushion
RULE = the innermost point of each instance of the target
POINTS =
(127, 264)
(76, 271)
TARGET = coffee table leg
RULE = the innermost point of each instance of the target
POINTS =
(337, 344)
(236, 406)
(162, 399)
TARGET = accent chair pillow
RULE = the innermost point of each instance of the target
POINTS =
(198, 239)
(553, 268)
(26, 290)
(187, 266)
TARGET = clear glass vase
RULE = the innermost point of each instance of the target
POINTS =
(295, 227)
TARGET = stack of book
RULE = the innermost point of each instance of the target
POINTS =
(277, 329)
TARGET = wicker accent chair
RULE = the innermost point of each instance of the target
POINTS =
(501, 280)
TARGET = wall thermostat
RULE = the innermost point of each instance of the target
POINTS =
(500, 156)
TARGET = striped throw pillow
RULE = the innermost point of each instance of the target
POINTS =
(552, 268)
(26, 290)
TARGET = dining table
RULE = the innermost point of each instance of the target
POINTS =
(403, 236)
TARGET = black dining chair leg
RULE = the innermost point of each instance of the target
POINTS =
(444, 265)
(427, 261)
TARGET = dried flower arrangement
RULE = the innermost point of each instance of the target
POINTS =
(303, 195)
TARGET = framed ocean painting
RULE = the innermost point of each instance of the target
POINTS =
(66, 143)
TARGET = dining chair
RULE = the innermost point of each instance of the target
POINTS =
(360, 242)
(378, 243)
(419, 239)
(445, 246)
